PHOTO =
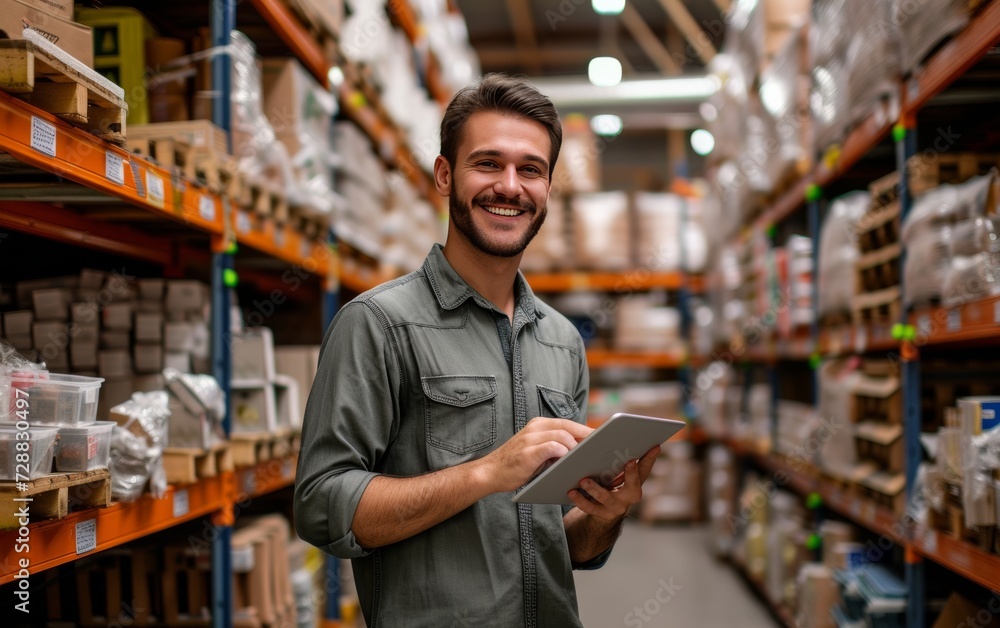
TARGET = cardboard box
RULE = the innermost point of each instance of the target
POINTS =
(294, 103)
(149, 307)
(178, 360)
(73, 38)
(148, 358)
(17, 323)
(298, 362)
(52, 304)
(148, 383)
(185, 295)
(178, 337)
(149, 327)
(113, 392)
(49, 334)
(253, 354)
(56, 359)
(86, 312)
(115, 340)
(83, 356)
(196, 133)
(91, 279)
(254, 407)
(116, 364)
(57, 8)
(21, 342)
(117, 316)
(149, 289)
(169, 100)
(201, 341)
(85, 333)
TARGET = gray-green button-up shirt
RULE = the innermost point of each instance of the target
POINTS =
(417, 375)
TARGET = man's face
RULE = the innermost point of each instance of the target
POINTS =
(500, 182)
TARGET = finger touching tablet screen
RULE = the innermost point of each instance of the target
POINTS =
(601, 456)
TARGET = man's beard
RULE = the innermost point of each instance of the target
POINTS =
(461, 215)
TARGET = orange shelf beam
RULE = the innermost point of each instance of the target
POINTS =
(862, 139)
(850, 339)
(965, 559)
(971, 322)
(954, 59)
(597, 358)
(281, 242)
(54, 542)
(82, 158)
(291, 31)
(266, 477)
(616, 282)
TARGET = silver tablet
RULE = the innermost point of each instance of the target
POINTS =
(601, 456)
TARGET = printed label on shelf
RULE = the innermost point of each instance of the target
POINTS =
(287, 470)
(996, 312)
(114, 168)
(206, 207)
(140, 188)
(861, 339)
(86, 536)
(305, 248)
(954, 320)
(250, 483)
(930, 541)
(279, 237)
(924, 325)
(155, 185)
(242, 222)
(182, 503)
(43, 136)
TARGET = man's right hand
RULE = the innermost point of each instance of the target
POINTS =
(542, 440)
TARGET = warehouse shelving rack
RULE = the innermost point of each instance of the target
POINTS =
(81, 160)
(963, 325)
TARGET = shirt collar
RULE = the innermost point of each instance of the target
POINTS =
(452, 291)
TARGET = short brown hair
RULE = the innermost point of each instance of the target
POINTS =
(504, 94)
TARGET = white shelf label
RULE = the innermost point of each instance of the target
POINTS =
(930, 540)
(305, 248)
(86, 536)
(114, 168)
(924, 325)
(155, 185)
(954, 320)
(996, 312)
(250, 483)
(206, 207)
(43, 136)
(182, 504)
(242, 222)
(279, 237)
(287, 470)
(861, 339)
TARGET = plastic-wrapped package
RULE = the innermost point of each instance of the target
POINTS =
(922, 25)
(838, 252)
(928, 233)
(872, 55)
(761, 161)
(797, 423)
(645, 325)
(837, 380)
(137, 446)
(661, 221)
(12, 363)
(974, 272)
(784, 93)
(829, 38)
(725, 110)
(601, 233)
(744, 37)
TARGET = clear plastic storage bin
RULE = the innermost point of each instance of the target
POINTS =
(84, 447)
(53, 397)
(38, 461)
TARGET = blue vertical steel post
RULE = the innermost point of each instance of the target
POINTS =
(223, 21)
(906, 147)
(684, 305)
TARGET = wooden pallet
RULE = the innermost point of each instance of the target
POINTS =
(881, 443)
(54, 495)
(266, 201)
(50, 84)
(929, 172)
(187, 466)
(885, 490)
(308, 223)
(881, 306)
(878, 270)
(252, 448)
(879, 227)
(198, 165)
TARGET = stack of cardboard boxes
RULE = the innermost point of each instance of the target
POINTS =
(54, 20)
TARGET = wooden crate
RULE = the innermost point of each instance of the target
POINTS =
(927, 172)
(878, 395)
(878, 268)
(885, 490)
(881, 443)
(187, 466)
(54, 495)
(252, 448)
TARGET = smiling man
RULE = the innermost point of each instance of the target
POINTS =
(442, 392)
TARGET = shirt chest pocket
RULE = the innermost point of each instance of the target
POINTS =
(556, 404)
(460, 412)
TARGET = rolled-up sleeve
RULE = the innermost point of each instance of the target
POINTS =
(350, 419)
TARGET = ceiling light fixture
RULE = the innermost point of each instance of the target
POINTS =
(607, 124)
(576, 93)
(604, 71)
(702, 142)
(608, 7)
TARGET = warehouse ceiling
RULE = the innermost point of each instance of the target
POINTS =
(559, 37)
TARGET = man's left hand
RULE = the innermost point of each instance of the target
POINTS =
(613, 503)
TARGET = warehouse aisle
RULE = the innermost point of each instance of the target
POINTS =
(665, 576)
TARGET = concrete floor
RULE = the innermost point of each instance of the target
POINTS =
(667, 576)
